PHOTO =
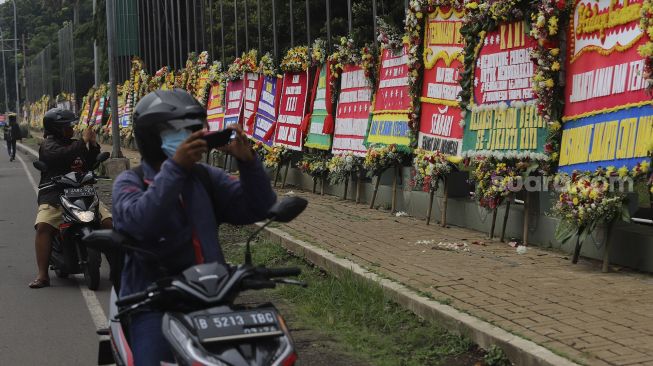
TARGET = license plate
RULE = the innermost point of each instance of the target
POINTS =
(237, 325)
(79, 192)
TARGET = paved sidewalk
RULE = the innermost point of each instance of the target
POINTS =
(574, 310)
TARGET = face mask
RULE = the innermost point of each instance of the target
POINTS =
(171, 139)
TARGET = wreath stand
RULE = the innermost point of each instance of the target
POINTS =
(445, 201)
(376, 189)
(505, 219)
(606, 250)
(314, 185)
(344, 194)
(579, 244)
(285, 174)
(526, 210)
(322, 184)
(394, 188)
(359, 183)
(494, 221)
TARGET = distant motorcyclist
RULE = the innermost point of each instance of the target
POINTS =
(62, 154)
(173, 208)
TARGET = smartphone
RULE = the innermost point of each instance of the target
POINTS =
(220, 138)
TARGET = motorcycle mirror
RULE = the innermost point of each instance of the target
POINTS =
(282, 211)
(287, 209)
(102, 157)
(41, 166)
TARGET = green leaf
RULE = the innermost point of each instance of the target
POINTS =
(565, 231)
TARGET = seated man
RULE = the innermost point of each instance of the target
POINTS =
(62, 155)
(166, 206)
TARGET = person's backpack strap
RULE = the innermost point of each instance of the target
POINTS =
(202, 174)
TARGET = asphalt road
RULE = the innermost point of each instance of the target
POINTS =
(49, 326)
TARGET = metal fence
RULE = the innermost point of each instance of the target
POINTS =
(66, 59)
(39, 75)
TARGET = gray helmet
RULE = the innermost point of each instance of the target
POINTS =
(160, 110)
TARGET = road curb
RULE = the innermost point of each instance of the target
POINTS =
(519, 350)
(26, 149)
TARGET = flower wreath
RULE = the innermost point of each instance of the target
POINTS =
(485, 17)
(646, 50)
(315, 165)
(242, 65)
(266, 66)
(379, 158)
(416, 17)
(347, 54)
(276, 156)
(429, 168)
(318, 52)
(342, 167)
(296, 60)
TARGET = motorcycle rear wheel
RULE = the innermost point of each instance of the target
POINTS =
(92, 269)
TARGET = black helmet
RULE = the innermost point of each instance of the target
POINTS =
(56, 119)
(161, 110)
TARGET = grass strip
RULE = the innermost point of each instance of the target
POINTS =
(358, 314)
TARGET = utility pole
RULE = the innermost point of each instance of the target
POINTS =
(111, 33)
(16, 62)
(24, 65)
(96, 63)
(4, 71)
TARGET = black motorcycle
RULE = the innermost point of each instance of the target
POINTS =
(80, 203)
(201, 321)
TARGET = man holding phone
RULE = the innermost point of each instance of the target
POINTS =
(168, 207)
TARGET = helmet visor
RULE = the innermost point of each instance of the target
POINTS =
(193, 124)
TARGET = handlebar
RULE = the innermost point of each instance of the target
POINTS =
(257, 284)
(279, 272)
(133, 298)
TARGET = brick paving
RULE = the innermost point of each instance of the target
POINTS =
(574, 310)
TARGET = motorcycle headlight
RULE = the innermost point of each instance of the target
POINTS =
(182, 341)
(81, 215)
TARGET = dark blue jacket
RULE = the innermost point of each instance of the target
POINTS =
(158, 219)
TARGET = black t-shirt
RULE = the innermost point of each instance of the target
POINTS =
(63, 156)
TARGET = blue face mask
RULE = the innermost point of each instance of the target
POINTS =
(171, 139)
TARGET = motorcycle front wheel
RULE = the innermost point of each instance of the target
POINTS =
(92, 269)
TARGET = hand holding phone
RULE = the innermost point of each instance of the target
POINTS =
(218, 139)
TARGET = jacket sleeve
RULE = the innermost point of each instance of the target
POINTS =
(58, 156)
(91, 157)
(138, 211)
(244, 201)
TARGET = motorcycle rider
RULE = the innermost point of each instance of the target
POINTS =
(168, 209)
(62, 155)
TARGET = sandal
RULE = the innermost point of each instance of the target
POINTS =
(39, 283)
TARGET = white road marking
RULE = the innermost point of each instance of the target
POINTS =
(92, 302)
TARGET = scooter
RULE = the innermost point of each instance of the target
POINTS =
(80, 203)
(201, 321)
